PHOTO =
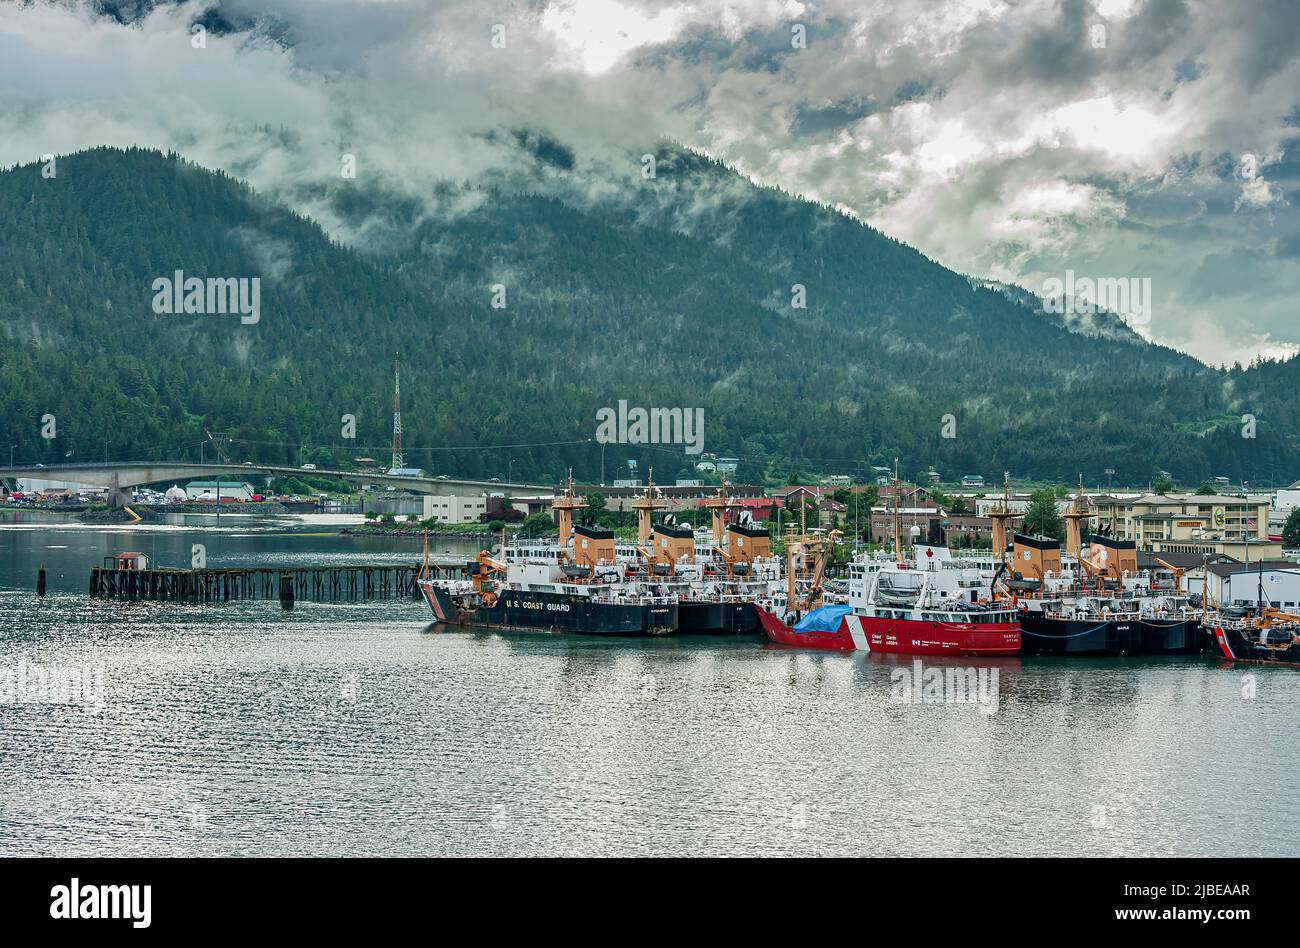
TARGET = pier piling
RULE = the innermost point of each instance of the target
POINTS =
(40, 581)
(286, 583)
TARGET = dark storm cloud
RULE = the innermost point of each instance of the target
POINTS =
(813, 120)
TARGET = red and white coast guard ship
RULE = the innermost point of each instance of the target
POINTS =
(934, 606)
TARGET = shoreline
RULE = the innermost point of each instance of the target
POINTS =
(417, 532)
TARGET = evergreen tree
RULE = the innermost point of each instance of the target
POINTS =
(1041, 515)
(79, 338)
(1291, 530)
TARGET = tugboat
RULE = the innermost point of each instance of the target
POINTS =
(573, 585)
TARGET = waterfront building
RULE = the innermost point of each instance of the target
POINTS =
(1273, 583)
(1183, 522)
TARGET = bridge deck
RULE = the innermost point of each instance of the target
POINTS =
(120, 476)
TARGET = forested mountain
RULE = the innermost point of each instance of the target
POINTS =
(654, 297)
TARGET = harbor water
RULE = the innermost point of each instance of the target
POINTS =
(360, 728)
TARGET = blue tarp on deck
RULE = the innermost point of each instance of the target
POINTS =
(825, 619)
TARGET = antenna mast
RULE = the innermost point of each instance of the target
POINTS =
(398, 461)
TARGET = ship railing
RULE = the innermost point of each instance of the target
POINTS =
(533, 544)
(636, 600)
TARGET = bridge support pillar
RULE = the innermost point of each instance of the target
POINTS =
(117, 497)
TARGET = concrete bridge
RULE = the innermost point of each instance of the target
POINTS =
(119, 477)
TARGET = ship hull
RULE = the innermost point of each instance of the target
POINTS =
(717, 618)
(1233, 645)
(1044, 636)
(1172, 637)
(556, 612)
(900, 636)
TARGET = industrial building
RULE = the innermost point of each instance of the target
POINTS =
(449, 508)
(207, 490)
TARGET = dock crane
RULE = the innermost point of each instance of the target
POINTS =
(821, 548)
(1178, 571)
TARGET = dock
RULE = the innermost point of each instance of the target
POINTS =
(319, 583)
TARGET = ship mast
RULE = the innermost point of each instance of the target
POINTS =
(564, 506)
(719, 508)
(792, 546)
(1000, 515)
(645, 506)
(1205, 588)
(898, 539)
(1073, 524)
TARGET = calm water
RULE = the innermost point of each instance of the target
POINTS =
(353, 729)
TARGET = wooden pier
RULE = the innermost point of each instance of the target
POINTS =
(318, 583)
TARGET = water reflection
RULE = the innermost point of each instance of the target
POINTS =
(357, 728)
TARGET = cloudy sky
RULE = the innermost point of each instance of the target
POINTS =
(1011, 140)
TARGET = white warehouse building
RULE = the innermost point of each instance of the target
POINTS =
(207, 490)
(1277, 584)
(448, 508)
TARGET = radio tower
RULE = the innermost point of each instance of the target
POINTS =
(398, 462)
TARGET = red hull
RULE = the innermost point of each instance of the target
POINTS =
(901, 636)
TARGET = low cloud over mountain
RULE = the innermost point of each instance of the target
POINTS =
(1116, 138)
